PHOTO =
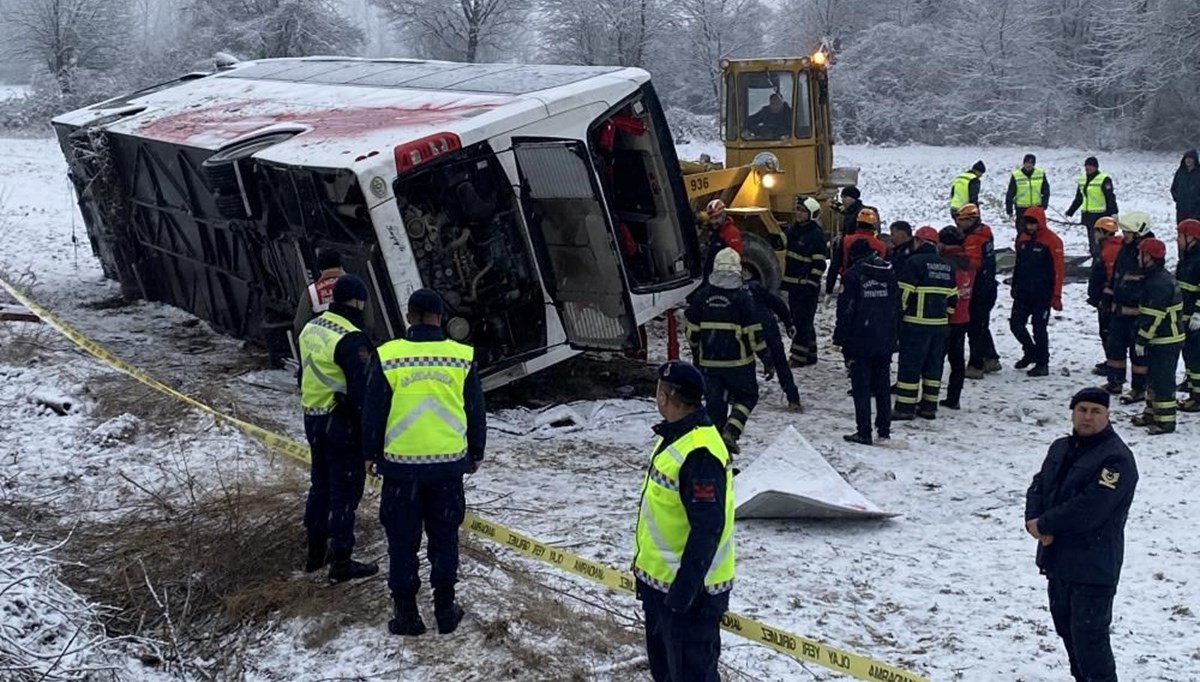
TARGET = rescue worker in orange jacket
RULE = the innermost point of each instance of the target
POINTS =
(964, 279)
(980, 249)
(722, 233)
(1036, 288)
(1100, 290)
(866, 228)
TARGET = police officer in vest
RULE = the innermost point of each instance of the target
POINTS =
(424, 426)
(1094, 195)
(334, 356)
(1027, 187)
(683, 557)
(965, 188)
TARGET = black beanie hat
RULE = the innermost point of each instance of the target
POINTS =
(979, 167)
(1091, 394)
(1030, 158)
(349, 288)
(851, 191)
(1091, 161)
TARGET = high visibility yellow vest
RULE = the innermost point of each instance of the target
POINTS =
(960, 190)
(1092, 191)
(321, 379)
(1029, 187)
(427, 423)
(662, 525)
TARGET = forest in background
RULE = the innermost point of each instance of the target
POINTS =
(1086, 73)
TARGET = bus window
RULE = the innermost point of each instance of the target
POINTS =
(804, 127)
(765, 109)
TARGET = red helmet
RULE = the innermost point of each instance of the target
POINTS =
(928, 234)
(1190, 228)
(1153, 247)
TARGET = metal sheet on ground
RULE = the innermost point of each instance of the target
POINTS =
(791, 480)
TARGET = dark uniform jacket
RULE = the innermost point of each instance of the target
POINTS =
(1100, 280)
(928, 288)
(1187, 275)
(900, 254)
(706, 517)
(353, 354)
(805, 261)
(1081, 497)
(850, 216)
(1041, 266)
(723, 329)
(1128, 279)
(1185, 189)
(378, 403)
(867, 309)
(768, 307)
(1160, 309)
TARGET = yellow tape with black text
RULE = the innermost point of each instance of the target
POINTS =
(792, 645)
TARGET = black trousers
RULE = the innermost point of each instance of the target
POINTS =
(922, 359)
(1089, 223)
(1191, 361)
(1104, 324)
(871, 379)
(803, 304)
(779, 361)
(730, 395)
(979, 329)
(1082, 615)
(681, 648)
(336, 480)
(956, 348)
(1037, 347)
(1122, 344)
(408, 506)
(1160, 396)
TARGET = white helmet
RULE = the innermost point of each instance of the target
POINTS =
(728, 260)
(809, 204)
(715, 209)
(1135, 222)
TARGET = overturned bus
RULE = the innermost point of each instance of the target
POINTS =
(544, 203)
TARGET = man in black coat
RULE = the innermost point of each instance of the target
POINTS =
(1185, 189)
(770, 308)
(867, 312)
(804, 264)
(1076, 509)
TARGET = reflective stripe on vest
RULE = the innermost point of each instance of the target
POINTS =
(960, 190)
(321, 379)
(1164, 328)
(1092, 191)
(918, 316)
(1029, 187)
(427, 423)
(662, 525)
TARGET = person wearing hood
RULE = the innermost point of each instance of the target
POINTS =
(965, 188)
(1027, 187)
(1076, 509)
(928, 296)
(334, 356)
(1037, 283)
(724, 335)
(980, 248)
(1187, 275)
(866, 328)
(1185, 189)
(804, 265)
(956, 342)
(1160, 335)
(1094, 194)
(1127, 281)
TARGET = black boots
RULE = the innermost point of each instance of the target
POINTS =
(344, 568)
(1024, 362)
(447, 613)
(318, 552)
(857, 438)
(407, 619)
(1039, 370)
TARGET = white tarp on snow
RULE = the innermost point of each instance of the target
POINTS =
(792, 480)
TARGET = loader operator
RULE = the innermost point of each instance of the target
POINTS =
(725, 335)
(772, 121)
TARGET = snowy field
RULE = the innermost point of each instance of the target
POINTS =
(947, 590)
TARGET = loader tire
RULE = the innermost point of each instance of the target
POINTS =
(759, 258)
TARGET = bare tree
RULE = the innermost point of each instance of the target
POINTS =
(717, 29)
(616, 32)
(67, 36)
(457, 30)
(271, 28)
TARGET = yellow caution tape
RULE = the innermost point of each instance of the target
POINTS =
(799, 648)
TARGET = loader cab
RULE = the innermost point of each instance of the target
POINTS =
(782, 107)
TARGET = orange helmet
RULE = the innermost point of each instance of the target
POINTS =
(1190, 228)
(1106, 224)
(968, 211)
(868, 216)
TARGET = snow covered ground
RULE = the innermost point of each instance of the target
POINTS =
(947, 590)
